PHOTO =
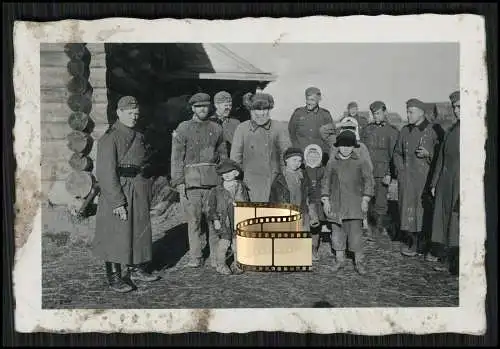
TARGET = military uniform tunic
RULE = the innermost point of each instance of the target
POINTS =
(259, 150)
(130, 241)
(380, 140)
(412, 172)
(197, 145)
(304, 127)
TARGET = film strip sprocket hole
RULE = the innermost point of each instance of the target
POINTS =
(269, 238)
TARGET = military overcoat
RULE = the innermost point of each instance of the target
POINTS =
(446, 181)
(412, 172)
(130, 241)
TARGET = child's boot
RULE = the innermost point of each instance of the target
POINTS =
(359, 264)
(340, 261)
(222, 247)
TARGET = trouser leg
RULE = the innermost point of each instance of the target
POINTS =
(339, 242)
(315, 233)
(213, 240)
(220, 253)
(353, 230)
(194, 209)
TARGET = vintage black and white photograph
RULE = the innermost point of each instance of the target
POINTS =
(146, 146)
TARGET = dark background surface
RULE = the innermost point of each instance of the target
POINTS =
(88, 11)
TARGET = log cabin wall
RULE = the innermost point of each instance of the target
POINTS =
(67, 79)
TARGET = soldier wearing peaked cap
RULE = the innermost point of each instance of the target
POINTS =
(123, 228)
(197, 146)
(445, 186)
(258, 146)
(306, 121)
(413, 156)
(223, 105)
(380, 138)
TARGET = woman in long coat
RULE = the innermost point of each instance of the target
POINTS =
(446, 186)
(258, 146)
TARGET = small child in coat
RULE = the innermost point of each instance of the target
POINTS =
(355, 177)
(313, 155)
(221, 212)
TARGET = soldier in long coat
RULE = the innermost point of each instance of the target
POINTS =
(258, 146)
(223, 103)
(197, 147)
(413, 155)
(380, 138)
(123, 228)
(306, 121)
(445, 186)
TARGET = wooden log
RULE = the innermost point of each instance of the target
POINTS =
(80, 103)
(77, 68)
(59, 131)
(55, 170)
(58, 113)
(79, 184)
(57, 58)
(78, 85)
(79, 162)
(78, 121)
(61, 95)
(75, 51)
(80, 142)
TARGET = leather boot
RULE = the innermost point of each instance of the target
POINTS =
(114, 275)
(222, 247)
(315, 247)
(138, 272)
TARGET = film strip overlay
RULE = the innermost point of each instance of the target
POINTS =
(269, 238)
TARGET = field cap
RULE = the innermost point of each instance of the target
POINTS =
(415, 103)
(127, 103)
(455, 97)
(222, 97)
(199, 99)
(376, 106)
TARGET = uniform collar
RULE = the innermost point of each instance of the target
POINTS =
(196, 119)
(120, 126)
(315, 110)
(254, 126)
(381, 124)
(420, 126)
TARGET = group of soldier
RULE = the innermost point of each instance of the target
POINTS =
(338, 173)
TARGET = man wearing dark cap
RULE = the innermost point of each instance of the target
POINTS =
(352, 111)
(380, 138)
(413, 156)
(258, 146)
(305, 122)
(123, 227)
(223, 104)
(445, 186)
(197, 146)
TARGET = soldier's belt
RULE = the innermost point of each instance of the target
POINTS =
(129, 170)
(269, 238)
